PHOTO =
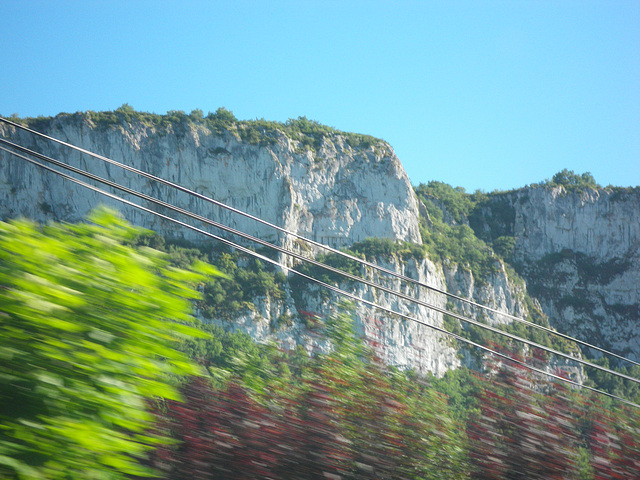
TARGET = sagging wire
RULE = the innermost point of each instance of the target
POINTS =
(325, 285)
(323, 246)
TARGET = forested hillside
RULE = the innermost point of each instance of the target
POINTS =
(132, 352)
(222, 406)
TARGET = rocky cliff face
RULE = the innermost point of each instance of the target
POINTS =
(580, 254)
(398, 341)
(335, 193)
(598, 223)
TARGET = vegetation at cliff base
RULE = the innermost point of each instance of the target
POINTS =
(106, 375)
(232, 292)
(370, 249)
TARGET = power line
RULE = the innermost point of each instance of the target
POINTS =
(343, 254)
(314, 262)
(323, 284)
(320, 245)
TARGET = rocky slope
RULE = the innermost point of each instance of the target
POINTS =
(331, 192)
(579, 250)
(337, 195)
(325, 185)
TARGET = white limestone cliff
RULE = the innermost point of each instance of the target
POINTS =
(333, 193)
(337, 196)
(580, 254)
(600, 223)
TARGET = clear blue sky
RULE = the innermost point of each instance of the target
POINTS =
(479, 94)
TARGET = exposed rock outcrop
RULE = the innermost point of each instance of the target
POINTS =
(338, 194)
(580, 254)
(334, 194)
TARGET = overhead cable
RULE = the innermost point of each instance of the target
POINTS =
(319, 244)
(323, 284)
(313, 242)
(314, 262)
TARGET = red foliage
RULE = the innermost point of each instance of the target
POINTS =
(615, 445)
(355, 423)
(222, 435)
(522, 434)
(227, 435)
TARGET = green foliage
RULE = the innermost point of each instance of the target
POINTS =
(370, 249)
(308, 133)
(493, 217)
(219, 348)
(452, 242)
(346, 414)
(373, 248)
(461, 387)
(88, 328)
(221, 120)
(456, 201)
(15, 118)
(333, 260)
(126, 115)
(623, 193)
(235, 289)
(339, 328)
(196, 115)
(452, 324)
(395, 425)
(572, 181)
(613, 384)
(229, 355)
(240, 286)
(505, 246)
(458, 244)
(39, 123)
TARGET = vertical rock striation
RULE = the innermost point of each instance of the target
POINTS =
(339, 193)
(580, 254)
(333, 193)
(336, 195)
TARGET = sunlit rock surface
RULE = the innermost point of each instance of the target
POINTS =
(577, 251)
(580, 254)
(336, 195)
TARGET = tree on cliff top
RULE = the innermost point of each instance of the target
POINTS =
(572, 181)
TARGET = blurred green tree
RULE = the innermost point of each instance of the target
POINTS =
(88, 327)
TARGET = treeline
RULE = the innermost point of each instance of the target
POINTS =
(105, 375)
(308, 133)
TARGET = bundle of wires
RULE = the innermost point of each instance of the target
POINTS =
(49, 164)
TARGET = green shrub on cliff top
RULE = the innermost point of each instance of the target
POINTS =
(309, 133)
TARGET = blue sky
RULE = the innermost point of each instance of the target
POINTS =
(479, 94)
